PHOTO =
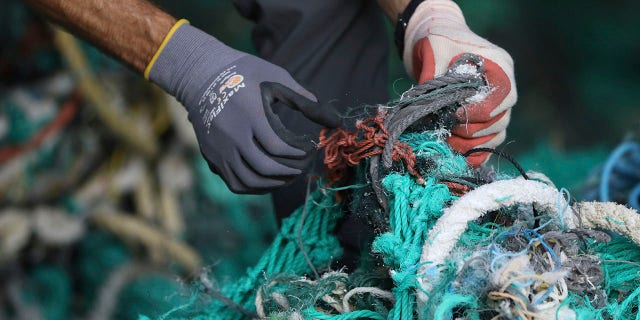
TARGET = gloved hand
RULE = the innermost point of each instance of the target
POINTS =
(226, 93)
(435, 36)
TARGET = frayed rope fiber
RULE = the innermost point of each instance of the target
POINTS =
(450, 242)
(345, 149)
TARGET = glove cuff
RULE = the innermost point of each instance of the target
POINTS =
(403, 22)
(166, 39)
(180, 64)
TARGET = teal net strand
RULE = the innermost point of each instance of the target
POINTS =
(285, 255)
(312, 313)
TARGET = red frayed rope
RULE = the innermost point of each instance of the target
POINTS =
(344, 149)
(65, 115)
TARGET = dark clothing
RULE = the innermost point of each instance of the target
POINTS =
(337, 49)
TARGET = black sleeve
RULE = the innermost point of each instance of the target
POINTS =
(338, 49)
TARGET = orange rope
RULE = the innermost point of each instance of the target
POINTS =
(344, 149)
(64, 116)
(457, 189)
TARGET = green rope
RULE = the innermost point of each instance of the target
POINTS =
(50, 289)
(451, 301)
(291, 283)
(285, 256)
(414, 209)
(312, 313)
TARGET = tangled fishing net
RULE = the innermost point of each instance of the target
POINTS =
(105, 201)
(450, 242)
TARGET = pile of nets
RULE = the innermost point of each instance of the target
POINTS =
(105, 199)
(450, 242)
(97, 222)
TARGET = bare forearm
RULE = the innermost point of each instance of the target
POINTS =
(130, 30)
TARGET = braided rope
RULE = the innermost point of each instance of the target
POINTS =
(449, 90)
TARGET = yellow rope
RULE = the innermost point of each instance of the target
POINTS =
(132, 229)
(122, 126)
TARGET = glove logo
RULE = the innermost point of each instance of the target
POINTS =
(218, 93)
(232, 82)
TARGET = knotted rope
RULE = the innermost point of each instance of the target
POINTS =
(344, 149)
(377, 137)
(508, 249)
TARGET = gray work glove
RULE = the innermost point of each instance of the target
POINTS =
(229, 96)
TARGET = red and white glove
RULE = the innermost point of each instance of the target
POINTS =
(437, 35)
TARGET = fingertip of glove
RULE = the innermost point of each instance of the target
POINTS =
(306, 93)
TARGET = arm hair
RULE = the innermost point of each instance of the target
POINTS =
(129, 30)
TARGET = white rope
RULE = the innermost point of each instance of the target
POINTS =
(609, 216)
(55, 227)
(15, 230)
(370, 290)
(258, 304)
(453, 223)
(51, 225)
(281, 300)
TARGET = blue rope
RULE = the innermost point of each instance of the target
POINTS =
(545, 296)
(619, 172)
(563, 195)
(634, 197)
